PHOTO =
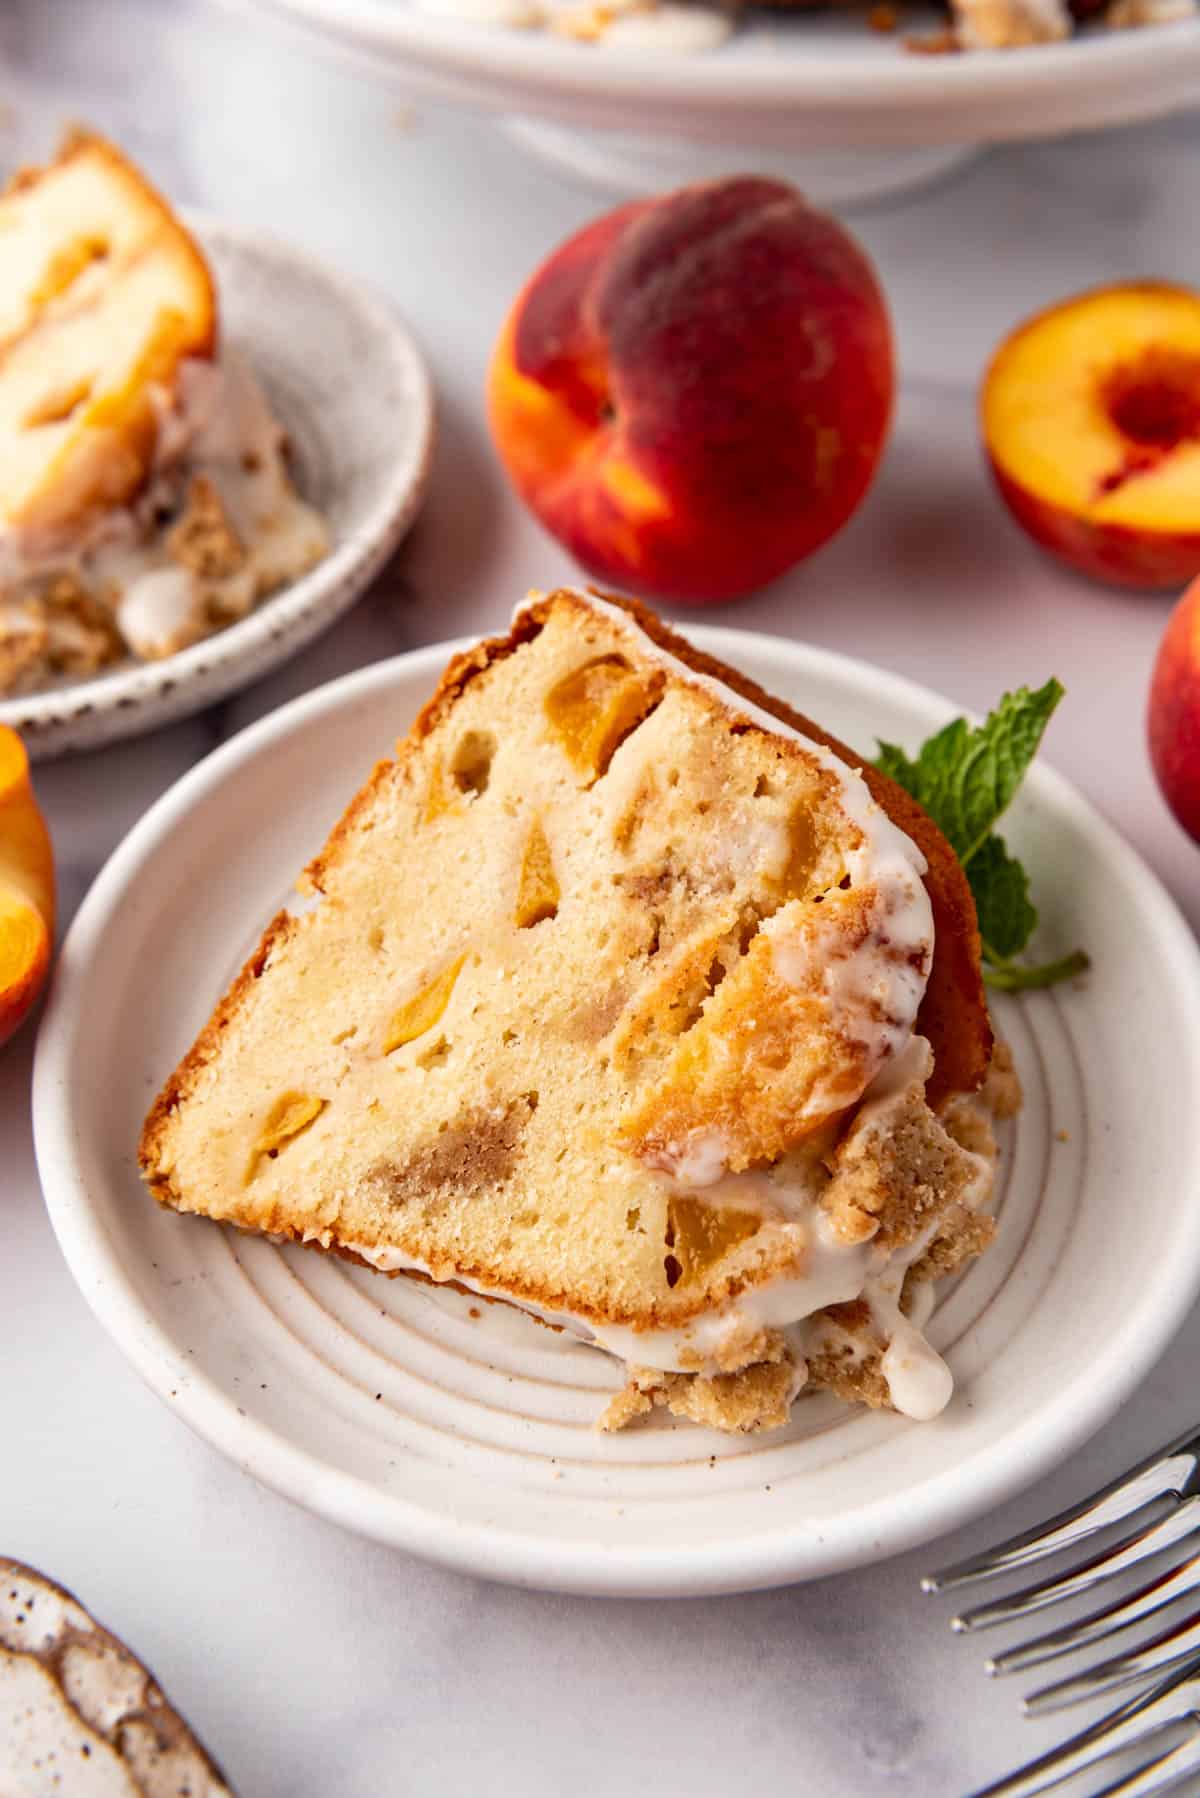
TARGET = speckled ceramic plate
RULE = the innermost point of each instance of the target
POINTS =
(352, 391)
(463, 1431)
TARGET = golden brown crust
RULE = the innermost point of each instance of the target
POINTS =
(205, 1048)
(458, 674)
(80, 141)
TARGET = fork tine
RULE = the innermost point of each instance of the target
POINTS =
(1165, 1472)
(1166, 1650)
(1131, 1725)
(1170, 1772)
(1108, 1620)
(1117, 1557)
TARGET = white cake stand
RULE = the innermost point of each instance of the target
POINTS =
(818, 97)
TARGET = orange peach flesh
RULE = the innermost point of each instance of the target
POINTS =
(541, 431)
(1091, 415)
(26, 888)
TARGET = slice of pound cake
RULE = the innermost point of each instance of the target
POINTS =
(631, 999)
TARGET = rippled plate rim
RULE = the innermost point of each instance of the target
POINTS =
(774, 1556)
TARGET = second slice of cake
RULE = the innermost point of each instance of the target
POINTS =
(630, 1002)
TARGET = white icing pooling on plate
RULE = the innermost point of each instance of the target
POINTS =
(836, 1272)
(830, 1271)
(833, 1273)
(157, 609)
(918, 1381)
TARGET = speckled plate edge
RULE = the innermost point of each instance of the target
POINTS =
(503, 1550)
(135, 698)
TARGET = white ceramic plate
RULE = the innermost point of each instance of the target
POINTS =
(351, 389)
(399, 1412)
(821, 79)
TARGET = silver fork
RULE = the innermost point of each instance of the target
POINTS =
(1159, 1503)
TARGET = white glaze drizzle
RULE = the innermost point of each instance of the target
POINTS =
(830, 1271)
(874, 989)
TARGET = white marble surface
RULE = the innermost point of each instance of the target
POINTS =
(316, 1665)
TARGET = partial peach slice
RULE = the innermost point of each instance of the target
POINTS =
(26, 888)
(103, 293)
(1091, 418)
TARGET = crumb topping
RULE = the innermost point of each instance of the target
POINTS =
(202, 538)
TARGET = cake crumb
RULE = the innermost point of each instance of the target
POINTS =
(629, 1403)
(202, 540)
(81, 637)
(23, 638)
(755, 1398)
(1001, 1091)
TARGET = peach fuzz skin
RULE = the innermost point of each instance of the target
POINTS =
(26, 888)
(693, 393)
(1090, 415)
(1173, 714)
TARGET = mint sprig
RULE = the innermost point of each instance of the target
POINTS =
(965, 777)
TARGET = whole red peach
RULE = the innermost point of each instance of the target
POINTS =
(693, 392)
(1173, 718)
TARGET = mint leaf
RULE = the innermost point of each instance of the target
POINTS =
(895, 764)
(966, 777)
(1001, 887)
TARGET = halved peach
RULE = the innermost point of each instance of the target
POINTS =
(1091, 419)
(26, 888)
